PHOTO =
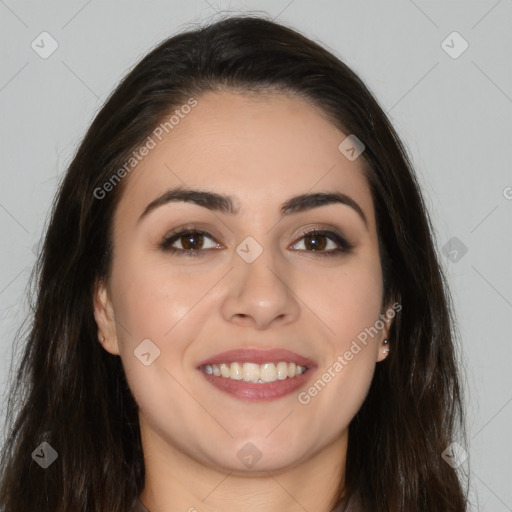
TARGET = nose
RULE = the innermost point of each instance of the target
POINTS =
(260, 293)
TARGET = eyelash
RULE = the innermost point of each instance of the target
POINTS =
(166, 244)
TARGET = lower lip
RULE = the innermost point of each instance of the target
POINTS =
(254, 392)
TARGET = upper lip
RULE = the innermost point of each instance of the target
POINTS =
(258, 356)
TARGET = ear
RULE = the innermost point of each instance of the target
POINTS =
(105, 320)
(383, 342)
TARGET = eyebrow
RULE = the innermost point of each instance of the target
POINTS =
(227, 205)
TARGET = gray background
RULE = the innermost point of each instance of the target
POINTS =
(453, 114)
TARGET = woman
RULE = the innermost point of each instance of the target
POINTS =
(239, 300)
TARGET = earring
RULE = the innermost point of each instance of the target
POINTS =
(386, 349)
(103, 339)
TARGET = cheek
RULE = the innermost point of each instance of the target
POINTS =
(150, 297)
(153, 302)
(349, 305)
(347, 300)
(156, 300)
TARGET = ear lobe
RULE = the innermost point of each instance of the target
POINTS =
(383, 341)
(105, 320)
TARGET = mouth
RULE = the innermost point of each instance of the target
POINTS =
(253, 375)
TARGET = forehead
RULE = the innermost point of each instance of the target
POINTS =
(258, 148)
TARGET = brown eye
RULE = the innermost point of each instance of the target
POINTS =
(325, 243)
(191, 241)
(188, 242)
(315, 242)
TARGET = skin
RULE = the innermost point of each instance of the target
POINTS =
(261, 150)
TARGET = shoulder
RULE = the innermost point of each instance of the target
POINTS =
(138, 507)
(351, 506)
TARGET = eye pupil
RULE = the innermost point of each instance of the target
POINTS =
(187, 241)
(192, 242)
(311, 242)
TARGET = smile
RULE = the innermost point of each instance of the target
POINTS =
(257, 375)
(253, 372)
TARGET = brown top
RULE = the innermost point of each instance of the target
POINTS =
(139, 507)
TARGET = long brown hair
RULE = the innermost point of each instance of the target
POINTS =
(71, 393)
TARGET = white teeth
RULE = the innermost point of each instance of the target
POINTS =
(224, 370)
(282, 370)
(268, 372)
(252, 372)
(235, 372)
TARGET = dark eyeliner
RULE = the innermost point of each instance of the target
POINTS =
(166, 244)
(345, 246)
(169, 239)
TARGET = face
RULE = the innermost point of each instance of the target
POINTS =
(191, 283)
